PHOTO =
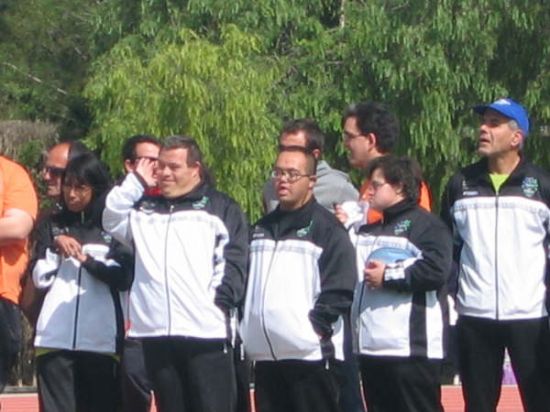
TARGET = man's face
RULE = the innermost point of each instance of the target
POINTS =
(496, 136)
(174, 176)
(54, 166)
(380, 193)
(143, 150)
(293, 185)
(359, 147)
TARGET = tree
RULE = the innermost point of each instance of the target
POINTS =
(429, 61)
(218, 94)
(45, 50)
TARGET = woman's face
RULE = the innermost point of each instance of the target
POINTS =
(382, 194)
(76, 195)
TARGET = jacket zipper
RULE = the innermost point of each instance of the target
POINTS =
(167, 289)
(263, 303)
(496, 259)
(77, 307)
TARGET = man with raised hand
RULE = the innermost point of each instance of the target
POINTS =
(135, 383)
(191, 246)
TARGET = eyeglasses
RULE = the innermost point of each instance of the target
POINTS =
(53, 171)
(291, 175)
(349, 136)
(78, 188)
(376, 185)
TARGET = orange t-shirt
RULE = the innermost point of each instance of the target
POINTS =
(424, 200)
(16, 192)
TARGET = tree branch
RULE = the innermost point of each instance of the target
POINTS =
(34, 78)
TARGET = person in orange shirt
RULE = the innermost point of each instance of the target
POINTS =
(18, 208)
(370, 130)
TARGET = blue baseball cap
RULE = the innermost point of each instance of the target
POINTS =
(510, 109)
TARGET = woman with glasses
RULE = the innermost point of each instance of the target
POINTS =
(397, 312)
(82, 270)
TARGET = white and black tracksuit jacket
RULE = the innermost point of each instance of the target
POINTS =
(406, 316)
(81, 310)
(501, 241)
(301, 281)
(190, 259)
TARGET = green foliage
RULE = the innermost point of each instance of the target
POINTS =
(44, 54)
(229, 72)
(429, 62)
(218, 94)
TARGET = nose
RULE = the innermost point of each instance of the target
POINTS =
(483, 127)
(370, 190)
(72, 192)
(163, 170)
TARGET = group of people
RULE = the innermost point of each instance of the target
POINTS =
(158, 284)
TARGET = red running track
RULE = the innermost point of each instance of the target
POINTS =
(452, 401)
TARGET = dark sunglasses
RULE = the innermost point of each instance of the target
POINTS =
(53, 171)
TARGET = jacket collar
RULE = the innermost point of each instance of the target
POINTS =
(393, 212)
(197, 193)
(516, 175)
(289, 221)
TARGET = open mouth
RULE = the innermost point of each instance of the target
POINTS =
(484, 139)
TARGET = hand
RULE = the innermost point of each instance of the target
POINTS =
(374, 274)
(81, 257)
(340, 213)
(145, 168)
(68, 246)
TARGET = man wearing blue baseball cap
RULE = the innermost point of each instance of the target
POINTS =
(499, 210)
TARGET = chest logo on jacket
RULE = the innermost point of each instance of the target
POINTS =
(530, 186)
(107, 238)
(402, 227)
(305, 230)
(200, 204)
(147, 207)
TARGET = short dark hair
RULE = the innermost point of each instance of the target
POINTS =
(311, 160)
(87, 169)
(402, 171)
(375, 118)
(129, 146)
(315, 138)
(194, 154)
